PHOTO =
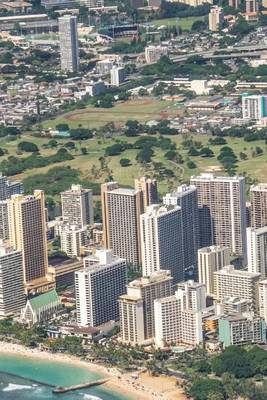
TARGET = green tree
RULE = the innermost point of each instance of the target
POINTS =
(28, 147)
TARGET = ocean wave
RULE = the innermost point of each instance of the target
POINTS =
(91, 397)
(12, 387)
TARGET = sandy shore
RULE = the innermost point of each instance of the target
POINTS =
(145, 386)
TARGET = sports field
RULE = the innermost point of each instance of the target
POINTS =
(184, 23)
(141, 110)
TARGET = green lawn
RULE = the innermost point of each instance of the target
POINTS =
(255, 167)
(184, 23)
(142, 110)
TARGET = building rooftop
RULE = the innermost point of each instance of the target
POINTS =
(230, 270)
(211, 249)
(261, 187)
(128, 297)
(124, 191)
(156, 277)
(211, 177)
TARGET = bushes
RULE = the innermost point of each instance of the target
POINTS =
(29, 147)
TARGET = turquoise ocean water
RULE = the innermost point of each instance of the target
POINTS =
(17, 373)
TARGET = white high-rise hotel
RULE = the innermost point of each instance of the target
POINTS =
(222, 212)
(98, 286)
(161, 241)
(68, 40)
(77, 206)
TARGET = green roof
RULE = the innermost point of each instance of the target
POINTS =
(44, 300)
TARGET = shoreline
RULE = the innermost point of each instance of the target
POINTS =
(145, 387)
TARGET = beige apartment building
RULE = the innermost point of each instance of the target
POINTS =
(121, 210)
(27, 229)
(149, 189)
(258, 199)
(222, 212)
(210, 260)
(142, 292)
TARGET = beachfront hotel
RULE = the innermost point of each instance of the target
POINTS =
(98, 286)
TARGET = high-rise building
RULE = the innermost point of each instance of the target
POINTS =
(254, 107)
(230, 282)
(4, 229)
(132, 319)
(234, 4)
(141, 293)
(210, 260)
(12, 297)
(216, 18)
(98, 286)
(27, 231)
(72, 239)
(241, 330)
(68, 41)
(8, 188)
(121, 210)
(77, 206)
(161, 241)
(186, 198)
(252, 6)
(117, 76)
(257, 250)
(233, 305)
(263, 299)
(178, 317)
(222, 212)
(258, 199)
(154, 53)
(149, 190)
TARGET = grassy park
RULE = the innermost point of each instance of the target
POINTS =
(91, 170)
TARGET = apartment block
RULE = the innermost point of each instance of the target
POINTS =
(257, 250)
(77, 206)
(222, 212)
(230, 282)
(12, 297)
(254, 107)
(121, 210)
(210, 260)
(258, 199)
(216, 18)
(68, 41)
(186, 198)
(73, 239)
(98, 286)
(161, 241)
(4, 228)
(263, 299)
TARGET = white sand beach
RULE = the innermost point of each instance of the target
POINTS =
(144, 387)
